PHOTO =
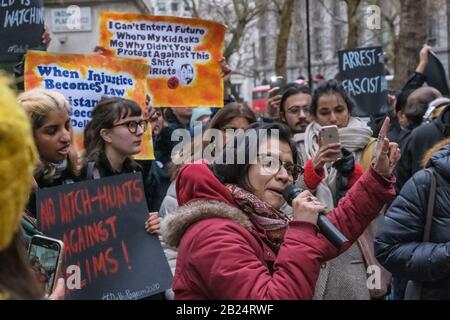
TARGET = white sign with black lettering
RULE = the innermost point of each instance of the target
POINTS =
(71, 19)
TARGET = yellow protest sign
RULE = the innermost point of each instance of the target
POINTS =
(83, 80)
(184, 55)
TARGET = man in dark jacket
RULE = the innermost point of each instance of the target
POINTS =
(396, 132)
(176, 118)
(420, 140)
(398, 245)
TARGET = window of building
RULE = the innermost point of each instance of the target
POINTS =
(161, 5)
(263, 49)
(432, 30)
(174, 6)
(237, 88)
(318, 45)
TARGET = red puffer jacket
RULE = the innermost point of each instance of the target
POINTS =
(221, 255)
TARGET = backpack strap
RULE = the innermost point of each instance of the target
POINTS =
(430, 205)
(414, 288)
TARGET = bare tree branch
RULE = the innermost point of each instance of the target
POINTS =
(192, 7)
(283, 37)
(335, 17)
(278, 7)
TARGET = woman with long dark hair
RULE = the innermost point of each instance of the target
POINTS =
(330, 171)
(112, 137)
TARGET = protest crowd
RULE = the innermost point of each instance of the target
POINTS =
(219, 228)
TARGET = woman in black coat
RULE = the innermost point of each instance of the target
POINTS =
(399, 247)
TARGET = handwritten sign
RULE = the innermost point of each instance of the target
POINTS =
(21, 25)
(83, 80)
(101, 223)
(362, 73)
(183, 54)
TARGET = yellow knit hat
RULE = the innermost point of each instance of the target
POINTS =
(17, 158)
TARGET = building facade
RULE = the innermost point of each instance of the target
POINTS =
(82, 35)
(328, 31)
(254, 62)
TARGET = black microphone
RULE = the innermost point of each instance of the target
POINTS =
(325, 226)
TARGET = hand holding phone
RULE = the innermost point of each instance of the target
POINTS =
(330, 148)
(45, 256)
(277, 82)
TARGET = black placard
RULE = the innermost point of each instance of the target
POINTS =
(101, 223)
(21, 26)
(435, 74)
(362, 74)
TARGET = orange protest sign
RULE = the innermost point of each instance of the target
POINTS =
(83, 80)
(184, 55)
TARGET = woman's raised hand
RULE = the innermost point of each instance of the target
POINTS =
(387, 153)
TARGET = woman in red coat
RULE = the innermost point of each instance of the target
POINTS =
(234, 242)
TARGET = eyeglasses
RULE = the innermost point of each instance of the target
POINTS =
(133, 125)
(271, 165)
(297, 109)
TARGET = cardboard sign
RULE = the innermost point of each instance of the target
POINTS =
(83, 80)
(21, 26)
(183, 55)
(435, 74)
(101, 223)
(362, 74)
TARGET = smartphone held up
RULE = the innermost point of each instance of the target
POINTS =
(45, 256)
(330, 135)
(277, 82)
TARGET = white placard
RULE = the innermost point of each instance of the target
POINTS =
(71, 19)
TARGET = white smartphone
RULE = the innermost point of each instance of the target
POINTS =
(45, 256)
(329, 135)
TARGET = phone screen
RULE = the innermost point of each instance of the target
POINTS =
(278, 82)
(44, 256)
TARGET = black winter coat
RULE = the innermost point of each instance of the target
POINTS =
(419, 141)
(398, 245)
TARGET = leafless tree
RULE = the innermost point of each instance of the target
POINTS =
(410, 39)
(285, 11)
(353, 21)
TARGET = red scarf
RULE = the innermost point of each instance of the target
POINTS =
(273, 223)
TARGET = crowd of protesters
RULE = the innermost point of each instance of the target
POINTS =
(226, 228)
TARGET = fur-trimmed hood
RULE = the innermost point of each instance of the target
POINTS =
(429, 154)
(175, 225)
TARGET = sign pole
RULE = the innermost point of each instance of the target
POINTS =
(308, 41)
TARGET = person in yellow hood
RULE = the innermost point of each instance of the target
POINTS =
(17, 158)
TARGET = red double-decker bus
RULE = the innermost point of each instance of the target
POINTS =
(259, 98)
